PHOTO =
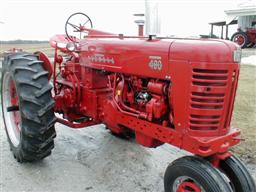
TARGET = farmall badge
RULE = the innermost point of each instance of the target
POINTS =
(101, 58)
(155, 63)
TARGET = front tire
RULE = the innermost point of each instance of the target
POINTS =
(27, 107)
(192, 174)
(240, 178)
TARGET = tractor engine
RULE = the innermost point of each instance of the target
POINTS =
(142, 97)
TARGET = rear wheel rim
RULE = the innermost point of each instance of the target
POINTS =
(186, 184)
(12, 118)
(239, 39)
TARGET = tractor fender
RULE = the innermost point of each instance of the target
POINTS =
(47, 63)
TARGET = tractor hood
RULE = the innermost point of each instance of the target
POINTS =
(152, 58)
(202, 50)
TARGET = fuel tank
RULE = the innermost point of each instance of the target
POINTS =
(152, 58)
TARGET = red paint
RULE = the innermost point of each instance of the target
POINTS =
(15, 102)
(46, 63)
(216, 158)
(141, 30)
(188, 187)
(251, 33)
(176, 91)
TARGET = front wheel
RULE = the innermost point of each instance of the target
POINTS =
(27, 107)
(240, 178)
(194, 174)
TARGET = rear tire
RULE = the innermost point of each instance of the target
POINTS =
(193, 173)
(239, 176)
(35, 107)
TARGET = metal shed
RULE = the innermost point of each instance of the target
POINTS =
(245, 13)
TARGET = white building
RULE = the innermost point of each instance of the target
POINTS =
(245, 13)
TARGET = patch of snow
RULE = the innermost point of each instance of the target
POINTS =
(251, 60)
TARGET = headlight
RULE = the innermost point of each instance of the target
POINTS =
(71, 46)
(237, 55)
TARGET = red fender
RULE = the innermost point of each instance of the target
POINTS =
(47, 63)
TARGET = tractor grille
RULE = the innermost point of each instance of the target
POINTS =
(211, 97)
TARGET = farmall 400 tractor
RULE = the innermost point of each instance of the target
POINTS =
(162, 90)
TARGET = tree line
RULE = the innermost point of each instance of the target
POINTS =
(18, 41)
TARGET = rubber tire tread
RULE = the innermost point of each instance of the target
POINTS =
(37, 130)
(196, 168)
(236, 171)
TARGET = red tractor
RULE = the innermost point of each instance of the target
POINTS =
(245, 39)
(162, 90)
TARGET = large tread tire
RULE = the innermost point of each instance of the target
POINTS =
(35, 105)
(239, 176)
(198, 170)
(244, 35)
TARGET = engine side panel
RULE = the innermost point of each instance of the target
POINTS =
(142, 58)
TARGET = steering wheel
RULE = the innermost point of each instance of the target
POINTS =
(76, 24)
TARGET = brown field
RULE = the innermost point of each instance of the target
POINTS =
(244, 115)
(31, 48)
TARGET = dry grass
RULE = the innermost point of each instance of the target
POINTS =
(31, 48)
(244, 116)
